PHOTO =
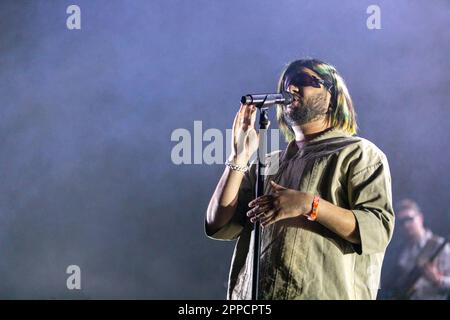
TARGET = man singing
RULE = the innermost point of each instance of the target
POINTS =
(326, 212)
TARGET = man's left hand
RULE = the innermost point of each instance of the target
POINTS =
(284, 203)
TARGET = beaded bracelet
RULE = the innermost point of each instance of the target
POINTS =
(235, 167)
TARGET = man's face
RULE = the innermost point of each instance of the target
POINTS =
(411, 222)
(310, 103)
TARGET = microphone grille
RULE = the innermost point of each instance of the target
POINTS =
(246, 99)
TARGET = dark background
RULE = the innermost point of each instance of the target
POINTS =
(86, 118)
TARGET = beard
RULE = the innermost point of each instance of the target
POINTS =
(309, 109)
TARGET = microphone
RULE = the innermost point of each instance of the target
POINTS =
(265, 99)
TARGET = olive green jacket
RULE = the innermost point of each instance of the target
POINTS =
(301, 259)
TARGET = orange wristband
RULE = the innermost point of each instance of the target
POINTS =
(312, 215)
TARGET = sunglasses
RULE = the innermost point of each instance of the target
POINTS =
(305, 80)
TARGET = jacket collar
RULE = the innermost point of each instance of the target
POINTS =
(327, 134)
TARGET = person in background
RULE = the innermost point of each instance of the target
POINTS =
(425, 254)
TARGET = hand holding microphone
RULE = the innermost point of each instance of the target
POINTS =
(245, 138)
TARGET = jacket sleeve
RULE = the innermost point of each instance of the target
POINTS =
(234, 227)
(370, 200)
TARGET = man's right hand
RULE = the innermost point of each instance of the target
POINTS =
(223, 203)
(244, 137)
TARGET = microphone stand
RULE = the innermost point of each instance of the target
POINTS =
(259, 191)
